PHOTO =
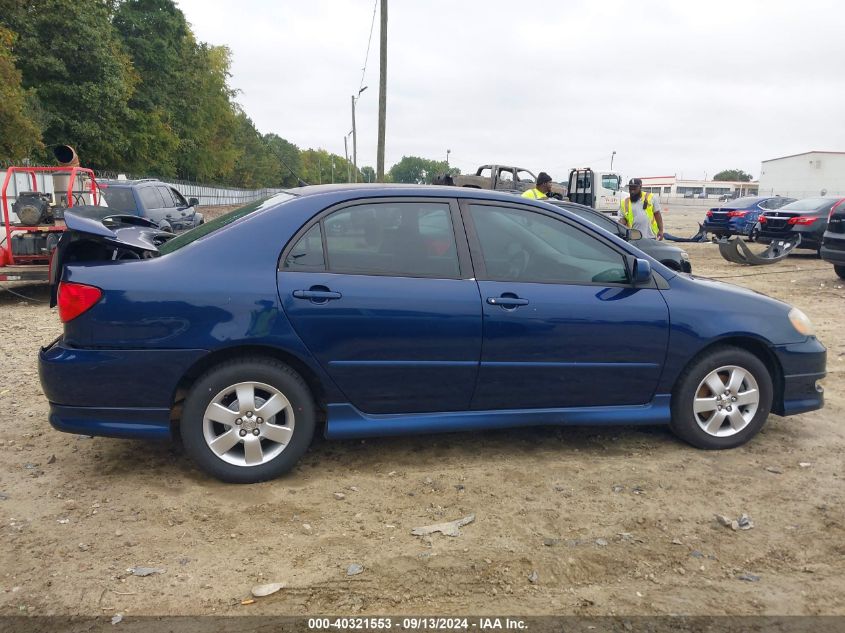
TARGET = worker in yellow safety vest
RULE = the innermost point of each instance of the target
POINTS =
(641, 211)
(542, 188)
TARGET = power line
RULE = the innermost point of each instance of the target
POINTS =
(369, 41)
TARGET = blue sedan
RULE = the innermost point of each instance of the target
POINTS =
(367, 310)
(739, 217)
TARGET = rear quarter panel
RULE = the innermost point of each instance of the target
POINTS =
(216, 293)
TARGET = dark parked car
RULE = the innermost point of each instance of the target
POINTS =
(437, 309)
(667, 254)
(739, 217)
(833, 242)
(807, 218)
(154, 200)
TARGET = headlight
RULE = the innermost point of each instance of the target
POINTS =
(801, 322)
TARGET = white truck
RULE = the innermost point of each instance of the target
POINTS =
(599, 190)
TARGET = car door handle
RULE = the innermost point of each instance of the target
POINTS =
(318, 295)
(507, 302)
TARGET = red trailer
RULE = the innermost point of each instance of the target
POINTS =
(27, 244)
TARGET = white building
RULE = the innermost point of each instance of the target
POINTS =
(804, 175)
(673, 187)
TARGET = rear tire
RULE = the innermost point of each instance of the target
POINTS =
(223, 425)
(722, 399)
(839, 270)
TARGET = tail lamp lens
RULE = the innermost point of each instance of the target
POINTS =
(802, 220)
(74, 299)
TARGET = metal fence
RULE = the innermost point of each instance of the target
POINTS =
(207, 194)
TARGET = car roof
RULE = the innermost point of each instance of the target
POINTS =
(401, 189)
(116, 182)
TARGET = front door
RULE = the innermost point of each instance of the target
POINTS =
(563, 327)
(382, 296)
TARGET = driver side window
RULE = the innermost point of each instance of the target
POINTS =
(525, 246)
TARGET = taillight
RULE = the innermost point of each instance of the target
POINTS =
(802, 219)
(737, 214)
(74, 299)
(710, 214)
(762, 219)
(833, 209)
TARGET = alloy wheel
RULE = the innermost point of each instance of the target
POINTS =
(726, 401)
(248, 424)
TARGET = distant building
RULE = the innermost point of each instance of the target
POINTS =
(804, 175)
(673, 187)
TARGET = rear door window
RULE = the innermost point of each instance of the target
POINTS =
(120, 199)
(408, 239)
(307, 253)
(150, 198)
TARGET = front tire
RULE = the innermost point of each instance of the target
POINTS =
(248, 420)
(722, 399)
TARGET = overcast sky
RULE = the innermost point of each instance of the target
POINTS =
(682, 88)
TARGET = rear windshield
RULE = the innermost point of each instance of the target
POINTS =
(219, 222)
(808, 204)
(119, 198)
(741, 203)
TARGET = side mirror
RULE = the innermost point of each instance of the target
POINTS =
(634, 234)
(642, 271)
(193, 202)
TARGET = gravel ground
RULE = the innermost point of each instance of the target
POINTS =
(603, 521)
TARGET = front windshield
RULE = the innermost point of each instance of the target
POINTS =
(219, 222)
(610, 181)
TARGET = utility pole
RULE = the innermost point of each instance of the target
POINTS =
(382, 93)
(611, 159)
(448, 151)
(346, 153)
(355, 133)
(354, 140)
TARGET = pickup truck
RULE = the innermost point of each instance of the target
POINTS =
(505, 178)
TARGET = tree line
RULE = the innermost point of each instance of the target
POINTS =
(128, 85)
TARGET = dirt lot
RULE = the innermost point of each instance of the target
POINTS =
(617, 521)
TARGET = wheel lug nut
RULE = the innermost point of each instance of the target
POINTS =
(260, 420)
(733, 399)
(720, 407)
(239, 421)
(243, 433)
(249, 414)
(256, 432)
(730, 408)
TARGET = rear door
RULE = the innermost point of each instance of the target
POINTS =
(563, 327)
(383, 295)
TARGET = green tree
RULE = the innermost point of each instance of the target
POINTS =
(736, 175)
(155, 33)
(257, 166)
(321, 167)
(368, 174)
(206, 120)
(289, 162)
(20, 135)
(73, 61)
(420, 171)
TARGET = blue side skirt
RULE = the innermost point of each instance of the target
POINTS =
(346, 422)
